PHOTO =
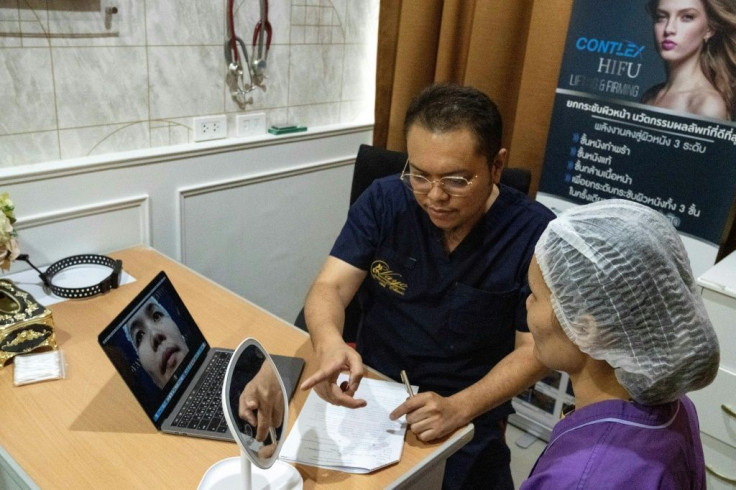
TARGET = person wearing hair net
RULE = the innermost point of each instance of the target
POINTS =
(614, 305)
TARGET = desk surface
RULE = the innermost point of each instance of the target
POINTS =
(88, 431)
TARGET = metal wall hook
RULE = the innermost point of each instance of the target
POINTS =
(109, 12)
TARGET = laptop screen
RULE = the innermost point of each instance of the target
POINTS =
(155, 346)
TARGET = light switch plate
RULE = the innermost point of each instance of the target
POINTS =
(251, 124)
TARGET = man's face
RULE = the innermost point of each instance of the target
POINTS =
(452, 153)
(161, 346)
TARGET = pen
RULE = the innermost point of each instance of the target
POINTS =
(405, 379)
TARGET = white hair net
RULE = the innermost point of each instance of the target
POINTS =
(623, 291)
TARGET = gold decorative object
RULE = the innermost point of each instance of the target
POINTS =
(25, 325)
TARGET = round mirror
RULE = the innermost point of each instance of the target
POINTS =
(254, 401)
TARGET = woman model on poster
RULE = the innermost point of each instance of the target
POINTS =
(697, 41)
(614, 304)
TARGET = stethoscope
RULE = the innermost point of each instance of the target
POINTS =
(235, 51)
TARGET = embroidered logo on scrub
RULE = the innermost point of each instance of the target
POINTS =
(387, 279)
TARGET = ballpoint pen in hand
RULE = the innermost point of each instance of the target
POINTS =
(405, 379)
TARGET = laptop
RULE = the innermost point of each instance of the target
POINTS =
(167, 363)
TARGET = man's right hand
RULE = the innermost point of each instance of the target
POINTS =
(332, 360)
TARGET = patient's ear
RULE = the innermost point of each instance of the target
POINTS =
(586, 330)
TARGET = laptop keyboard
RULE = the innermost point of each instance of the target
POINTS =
(203, 408)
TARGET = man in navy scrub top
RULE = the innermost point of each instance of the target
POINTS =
(438, 257)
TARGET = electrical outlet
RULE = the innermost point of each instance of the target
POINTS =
(251, 124)
(210, 128)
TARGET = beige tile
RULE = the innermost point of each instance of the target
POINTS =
(298, 15)
(360, 21)
(100, 140)
(100, 85)
(26, 91)
(161, 63)
(340, 11)
(312, 17)
(314, 114)
(34, 23)
(297, 34)
(9, 11)
(311, 35)
(185, 22)
(315, 74)
(174, 131)
(277, 116)
(325, 16)
(10, 27)
(186, 81)
(357, 111)
(325, 34)
(359, 68)
(338, 35)
(27, 148)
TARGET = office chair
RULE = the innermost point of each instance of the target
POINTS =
(517, 178)
(372, 163)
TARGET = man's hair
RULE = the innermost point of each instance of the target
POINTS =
(446, 107)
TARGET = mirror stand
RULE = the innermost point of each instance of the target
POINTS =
(245, 470)
(238, 473)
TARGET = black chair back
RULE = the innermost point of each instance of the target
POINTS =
(373, 163)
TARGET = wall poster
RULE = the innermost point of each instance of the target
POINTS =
(644, 110)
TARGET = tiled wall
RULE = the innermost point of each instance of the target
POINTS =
(77, 81)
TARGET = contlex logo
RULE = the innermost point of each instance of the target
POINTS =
(618, 49)
(617, 68)
(623, 48)
(382, 274)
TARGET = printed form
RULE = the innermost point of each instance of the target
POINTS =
(351, 440)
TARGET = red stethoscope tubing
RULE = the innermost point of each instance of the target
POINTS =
(263, 26)
(233, 41)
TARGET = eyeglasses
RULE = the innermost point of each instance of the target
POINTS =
(452, 185)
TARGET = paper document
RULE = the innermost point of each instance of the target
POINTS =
(357, 440)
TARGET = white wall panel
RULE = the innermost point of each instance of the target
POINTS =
(266, 236)
(97, 228)
(258, 216)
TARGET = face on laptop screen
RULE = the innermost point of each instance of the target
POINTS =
(155, 345)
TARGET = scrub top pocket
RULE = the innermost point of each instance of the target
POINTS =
(481, 319)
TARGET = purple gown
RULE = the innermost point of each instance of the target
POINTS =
(616, 444)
